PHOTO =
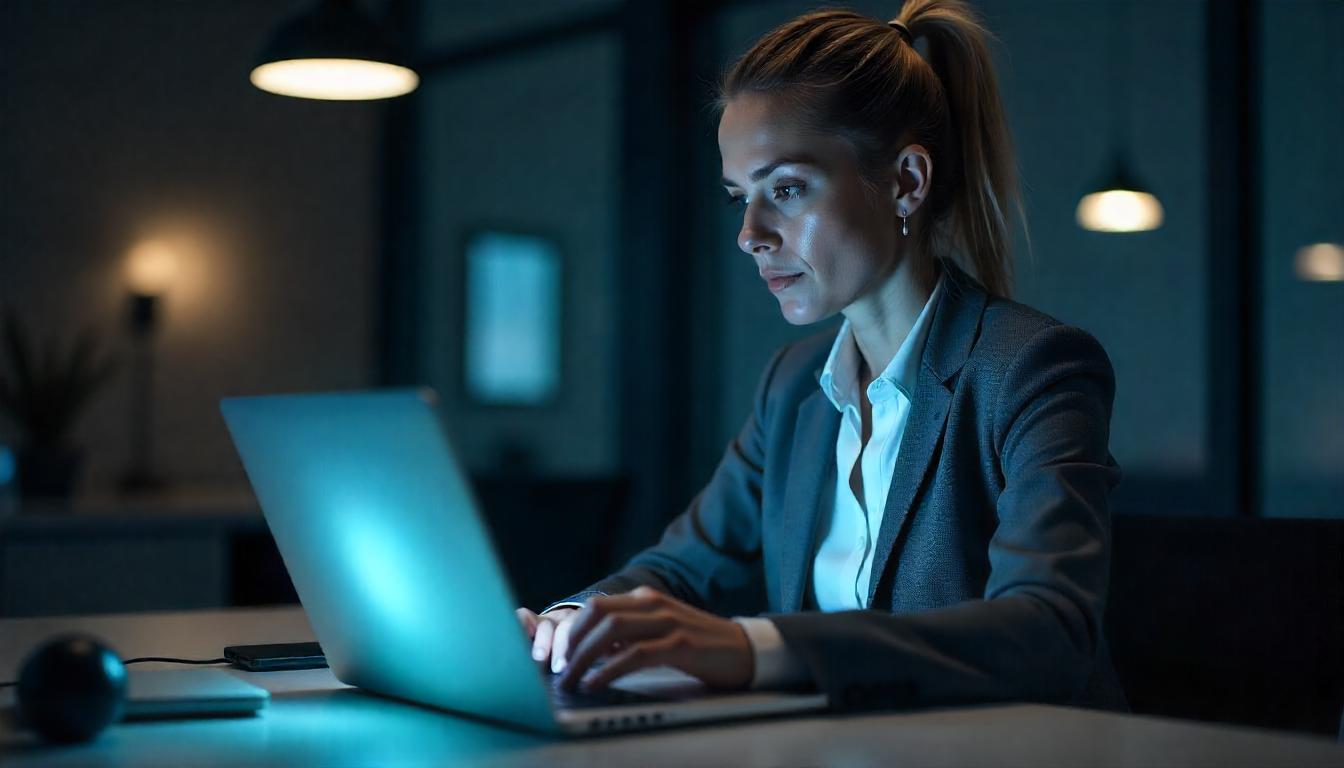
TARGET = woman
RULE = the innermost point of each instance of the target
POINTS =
(917, 505)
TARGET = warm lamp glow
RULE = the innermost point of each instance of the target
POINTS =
(151, 268)
(1119, 210)
(1322, 262)
(335, 79)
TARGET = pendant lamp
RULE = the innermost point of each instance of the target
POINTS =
(1321, 263)
(1118, 202)
(334, 51)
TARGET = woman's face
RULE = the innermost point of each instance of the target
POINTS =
(820, 242)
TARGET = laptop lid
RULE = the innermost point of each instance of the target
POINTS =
(165, 693)
(379, 530)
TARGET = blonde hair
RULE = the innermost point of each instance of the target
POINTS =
(848, 74)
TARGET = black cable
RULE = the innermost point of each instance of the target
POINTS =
(141, 659)
(167, 660)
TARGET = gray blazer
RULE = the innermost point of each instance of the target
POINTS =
(989, 576)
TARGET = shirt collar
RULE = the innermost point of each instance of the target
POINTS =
(840, 376)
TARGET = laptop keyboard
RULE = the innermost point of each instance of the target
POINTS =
(607, 697)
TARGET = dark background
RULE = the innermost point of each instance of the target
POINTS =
(321, 247)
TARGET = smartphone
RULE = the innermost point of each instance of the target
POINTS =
(269, 658)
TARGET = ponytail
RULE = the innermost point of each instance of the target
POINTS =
(982, 156)
(857, 77)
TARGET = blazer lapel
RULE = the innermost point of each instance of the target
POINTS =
(809, 493)
(955, 325)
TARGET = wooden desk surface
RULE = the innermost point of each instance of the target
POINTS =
(315, 720)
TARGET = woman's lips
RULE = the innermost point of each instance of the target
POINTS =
(781, 282)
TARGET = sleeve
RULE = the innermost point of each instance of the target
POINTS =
(710, 555)
(570, 603)
(773, 664)
(1035, 633)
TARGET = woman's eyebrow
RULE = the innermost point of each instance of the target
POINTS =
(766, 170)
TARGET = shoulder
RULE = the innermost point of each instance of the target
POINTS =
(1018, 339)
(986, 335)
(1025, 356)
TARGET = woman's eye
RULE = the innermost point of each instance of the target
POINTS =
(782, 193)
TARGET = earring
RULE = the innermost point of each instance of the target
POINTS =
(904, 229)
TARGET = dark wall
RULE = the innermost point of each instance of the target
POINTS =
(126, 121)
(1302, 165)
(526, 142)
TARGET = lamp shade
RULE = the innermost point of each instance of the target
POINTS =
(1119, 204)
(1321, 263)
(334, 51)
(151, 267)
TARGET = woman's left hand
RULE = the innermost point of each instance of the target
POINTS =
(646, 628)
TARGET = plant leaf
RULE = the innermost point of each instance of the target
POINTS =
(16, 348)
(50, 384)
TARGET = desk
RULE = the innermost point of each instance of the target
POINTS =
(315, 720)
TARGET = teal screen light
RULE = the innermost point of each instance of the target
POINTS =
(9, 465)
(513, 319)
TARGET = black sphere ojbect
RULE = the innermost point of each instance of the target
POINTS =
(71, 688)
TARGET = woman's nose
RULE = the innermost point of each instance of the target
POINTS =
(755, 236)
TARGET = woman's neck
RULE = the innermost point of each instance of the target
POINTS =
(882, 320)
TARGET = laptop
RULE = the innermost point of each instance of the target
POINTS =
(390, 557)
(169, 693)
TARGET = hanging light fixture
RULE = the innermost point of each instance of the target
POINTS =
(334, 51)
(1119, 203)
(1321, 263)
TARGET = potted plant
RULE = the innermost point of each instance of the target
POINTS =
(43, 391)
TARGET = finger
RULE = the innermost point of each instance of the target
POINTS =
(625, 628)
(596, 609)
(648, 653)
(560, 643)
(528, 620)
(541, 642)
(642, 599)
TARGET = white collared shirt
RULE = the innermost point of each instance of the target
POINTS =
(843, 562)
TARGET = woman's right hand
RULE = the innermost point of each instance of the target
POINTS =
(549, 633)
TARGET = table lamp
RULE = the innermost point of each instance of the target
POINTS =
(150, 268)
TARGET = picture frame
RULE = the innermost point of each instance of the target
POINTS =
(513, 318)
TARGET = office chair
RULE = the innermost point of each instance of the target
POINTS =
(1230, 619)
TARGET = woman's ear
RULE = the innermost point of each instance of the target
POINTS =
(913, 175)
